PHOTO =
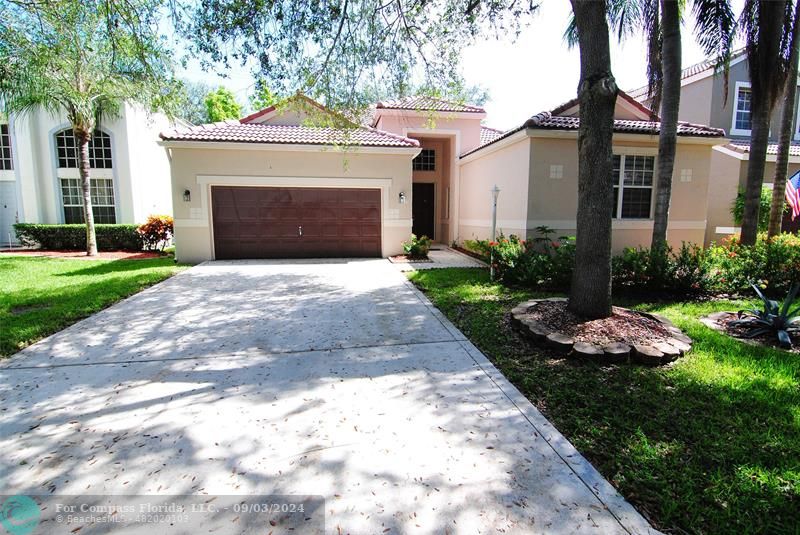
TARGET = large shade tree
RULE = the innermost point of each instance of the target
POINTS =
(83, 60)
(590, 293)
(192, 102)
(767, 26)
(346, 52)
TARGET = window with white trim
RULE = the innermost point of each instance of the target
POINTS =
(424, 161)
(6, 161)
(102, 194)
(101, 182)
(68, 152)
(742, 110)
(633, 186)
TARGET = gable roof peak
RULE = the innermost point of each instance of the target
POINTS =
(640, 110)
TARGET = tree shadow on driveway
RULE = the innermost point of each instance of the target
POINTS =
(334, 380)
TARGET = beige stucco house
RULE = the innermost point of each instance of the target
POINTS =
(271, 185)
(705, 100)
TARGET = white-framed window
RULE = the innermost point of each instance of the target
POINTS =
(633, 186)
(797, 120)
(99, 150)
(425, 161)
(6, 159)
(101, 182)
(102, 193)
(556, 172)
(742, 109)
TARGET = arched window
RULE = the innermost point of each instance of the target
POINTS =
(99, 150)
(101, 178)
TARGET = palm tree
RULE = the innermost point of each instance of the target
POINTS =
(664, 74)
(767, 26)
(661, 22)
(715, 23)
(83, 59)
(590, 292)
(787, 116)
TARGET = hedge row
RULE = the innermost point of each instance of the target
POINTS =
(73, 237)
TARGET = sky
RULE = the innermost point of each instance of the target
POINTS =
(536, 72)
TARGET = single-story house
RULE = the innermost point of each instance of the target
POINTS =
(40, 182)
(536, 168)
(272, 185)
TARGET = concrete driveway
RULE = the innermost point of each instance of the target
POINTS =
(329, 378)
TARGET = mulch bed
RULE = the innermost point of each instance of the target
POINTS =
(405, 259)
(625, 336)
(623, 326)
(720, 321)
(81, 255)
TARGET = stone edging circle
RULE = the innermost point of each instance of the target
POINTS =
(651, 355)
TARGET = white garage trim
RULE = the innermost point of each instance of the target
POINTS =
(290, 147)
(295, 181)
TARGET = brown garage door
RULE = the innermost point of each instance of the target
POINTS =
(265, 222)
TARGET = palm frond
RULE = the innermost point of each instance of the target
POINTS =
(651, 17)
(624, 16)
(767, 26)
(571, 32)
(715, 31)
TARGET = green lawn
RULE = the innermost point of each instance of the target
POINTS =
(709, 445)
(39, 296)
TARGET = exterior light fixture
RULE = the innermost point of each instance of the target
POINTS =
(402, 197)
(187, 195)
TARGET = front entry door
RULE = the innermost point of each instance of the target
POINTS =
(8, 212)
(423, 209)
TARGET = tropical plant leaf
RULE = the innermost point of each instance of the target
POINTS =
(784, 339)
(790, 297)
(758, 332)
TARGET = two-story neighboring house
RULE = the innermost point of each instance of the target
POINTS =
(705, 100)
(39, 179)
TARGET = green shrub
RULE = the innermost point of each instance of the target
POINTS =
(737, 208)
(73, 237)
(682, 272)
(479, 247)
(772, 263)
(417, 247)
(540, 262)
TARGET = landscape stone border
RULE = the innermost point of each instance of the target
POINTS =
(651, 355)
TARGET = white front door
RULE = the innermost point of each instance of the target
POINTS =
(8, 212)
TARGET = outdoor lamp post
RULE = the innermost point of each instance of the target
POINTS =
(495, 193)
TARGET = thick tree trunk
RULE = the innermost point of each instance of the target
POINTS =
(670, 102)
(88, 215)
(590, 294)
(759, 138)
(787, 117)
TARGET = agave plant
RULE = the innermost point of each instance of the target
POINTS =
(775, 318)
